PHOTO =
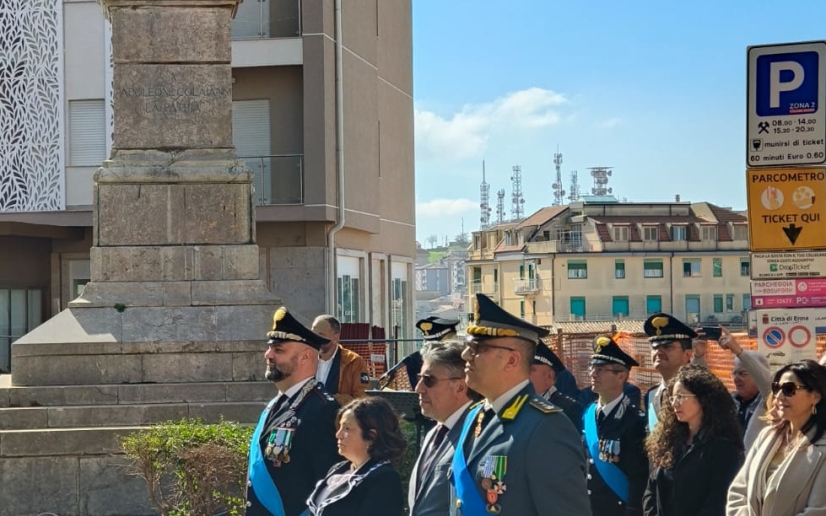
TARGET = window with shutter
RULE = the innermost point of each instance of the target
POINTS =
(87, 133)
(251, 137)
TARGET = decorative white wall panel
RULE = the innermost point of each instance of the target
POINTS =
(31, 105)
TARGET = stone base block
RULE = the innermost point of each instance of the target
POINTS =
(108, 294)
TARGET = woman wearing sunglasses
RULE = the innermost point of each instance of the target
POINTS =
(784, 473)
(695, 450)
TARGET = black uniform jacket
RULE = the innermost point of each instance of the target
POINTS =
(625, 424)
(698, 483)
(378, 494)
(313, 452)
(569, 406)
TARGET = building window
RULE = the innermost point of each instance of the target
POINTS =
(477, 242)
(522, 308)
(692, 309)
(745, 267)
(691, 268)
(87, 133)
(729, 303)
(746, 301)
(577, 270)
(741, 232)
(496, 275)
(578, 308)
(652, 269)
(619, 269)
(620, 233)
(399, 300)
(508, 238)
(678, 233)
(20, 313)
(653, 304)
(717, 267)
(718, 304)
(650, 233)
(709, 233)
(619, 306)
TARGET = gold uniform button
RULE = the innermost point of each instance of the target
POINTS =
(458, 503)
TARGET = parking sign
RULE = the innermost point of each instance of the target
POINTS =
(786, 120)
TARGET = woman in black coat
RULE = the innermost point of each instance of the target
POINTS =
(695, 450)
(365, 484)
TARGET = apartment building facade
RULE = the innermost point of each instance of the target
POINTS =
(56, 120)
(606, 260)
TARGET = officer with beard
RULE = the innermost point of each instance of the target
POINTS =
(294, 444)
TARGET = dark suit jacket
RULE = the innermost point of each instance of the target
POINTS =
(697, 485)
(313, 451)
(625, 424)
(545, 461)
(432, 498)
(378, 494)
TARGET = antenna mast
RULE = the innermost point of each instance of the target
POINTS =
(559, 193)
(517, 201)
(601, 175)
(574, 195)
(500, 206)
(484, 201)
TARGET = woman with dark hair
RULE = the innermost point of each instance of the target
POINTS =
(365, 484)
(784, 473)
(695, 450)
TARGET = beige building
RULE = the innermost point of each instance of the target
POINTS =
(604, 260)
(335, 235)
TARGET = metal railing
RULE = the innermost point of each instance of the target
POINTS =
(526, 286)
(484, 288)
(277, 179)
(267, 19)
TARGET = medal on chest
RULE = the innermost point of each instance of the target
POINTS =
(609, 450)
(494, 468)
(278, 446)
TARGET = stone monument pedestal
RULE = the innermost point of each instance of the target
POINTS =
(172, 323)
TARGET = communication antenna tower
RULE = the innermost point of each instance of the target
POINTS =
(484, 201)
(517, 201)
(500, 206)
(601, 175)
(559, 193)
(574, 195)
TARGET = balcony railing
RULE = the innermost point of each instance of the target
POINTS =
(526, 287)
(484, 288)
(267, 19)
(278, 179)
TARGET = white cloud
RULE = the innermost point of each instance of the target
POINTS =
(465, 134)
(445, 207)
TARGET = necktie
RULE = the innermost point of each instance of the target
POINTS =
(430, 452)
(600, 418)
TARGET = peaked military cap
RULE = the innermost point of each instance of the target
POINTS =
(435, 328)
(663, 328)
(490, 321)
(607, 351)
(545, 355)
(285, 327)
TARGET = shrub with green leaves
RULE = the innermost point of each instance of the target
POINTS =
(192, 468)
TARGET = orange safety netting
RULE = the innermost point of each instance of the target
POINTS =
(575, 350)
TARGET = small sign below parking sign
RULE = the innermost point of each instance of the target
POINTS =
(786, 120)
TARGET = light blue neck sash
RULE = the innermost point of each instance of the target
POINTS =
(610, 472)
(472, 503)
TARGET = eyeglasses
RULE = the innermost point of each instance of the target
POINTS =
(430, 381)
(475, 347)
(788, 389)
(680, 398)
(600, 370)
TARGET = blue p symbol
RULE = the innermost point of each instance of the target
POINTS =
(787, 84)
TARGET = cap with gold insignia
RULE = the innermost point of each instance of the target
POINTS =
(607, 351)
(664, 328)
(545, 355)
(285, 328)
(490, 321)
(436, 328)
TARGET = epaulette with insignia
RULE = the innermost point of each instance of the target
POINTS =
(542, 405)
(514, 408)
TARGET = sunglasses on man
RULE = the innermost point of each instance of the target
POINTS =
(788, 389)
(430, 381)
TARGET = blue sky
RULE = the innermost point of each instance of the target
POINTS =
(654, 89)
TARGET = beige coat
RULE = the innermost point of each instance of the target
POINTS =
(797, 488)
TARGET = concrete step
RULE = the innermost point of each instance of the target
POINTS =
(83, 416)
(132, 394)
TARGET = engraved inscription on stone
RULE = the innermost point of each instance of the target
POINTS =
(166, 106)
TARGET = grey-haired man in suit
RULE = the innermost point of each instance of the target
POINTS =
(444, 397)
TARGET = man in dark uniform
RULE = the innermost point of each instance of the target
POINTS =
(543, 378)
(294, 444)
(517, 454)
(671, 342)
(614, 435)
